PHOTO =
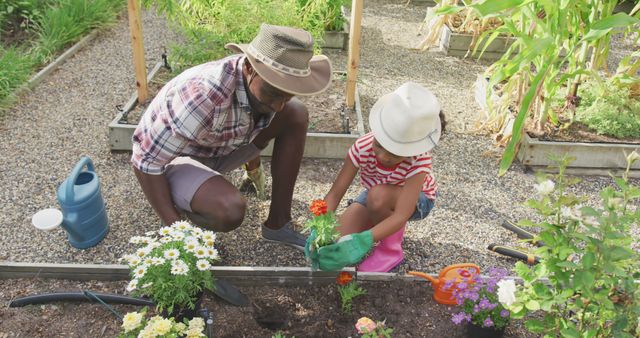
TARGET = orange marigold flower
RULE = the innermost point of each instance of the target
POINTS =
(344, 278)
(318, 207)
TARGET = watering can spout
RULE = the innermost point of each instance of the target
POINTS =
(424, 275)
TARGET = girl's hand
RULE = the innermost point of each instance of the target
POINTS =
(349, 250)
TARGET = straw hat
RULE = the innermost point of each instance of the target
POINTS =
(283, 56)
(406, 122)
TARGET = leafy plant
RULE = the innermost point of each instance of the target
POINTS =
(135, 324)
(348, 290)
(173, 268)
(281, 335)
(557, 46)
(370, 329)
(586, 281)
(483, 299)
(324, 223)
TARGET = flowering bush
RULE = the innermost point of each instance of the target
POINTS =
(348, 290)
(134, 324)
(324, 223)
(174, 268)
(586, 281)
(483, 300)
(370, 329)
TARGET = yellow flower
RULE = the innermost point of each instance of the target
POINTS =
(181, 328)
(162, 326)
(131, 321)
(194, 333)
(196, 323)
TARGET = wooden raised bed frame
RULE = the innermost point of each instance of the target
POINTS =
(591, 158)
(318, 145)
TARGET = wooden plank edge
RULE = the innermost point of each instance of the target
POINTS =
(44, 72)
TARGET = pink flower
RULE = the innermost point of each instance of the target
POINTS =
(365, 325)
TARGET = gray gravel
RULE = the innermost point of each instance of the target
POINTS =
(67, 115)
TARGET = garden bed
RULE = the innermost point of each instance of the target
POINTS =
(294, 308)
(457, 44)
(333, 127)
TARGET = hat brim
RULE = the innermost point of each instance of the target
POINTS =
(397, 148)
(318, 80)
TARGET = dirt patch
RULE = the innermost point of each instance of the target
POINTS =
(578, 132)
(13, 34)
(328, 112)
(310, 311)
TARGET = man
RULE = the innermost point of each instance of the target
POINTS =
(215, 117)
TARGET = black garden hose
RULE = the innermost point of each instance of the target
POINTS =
(78, 296)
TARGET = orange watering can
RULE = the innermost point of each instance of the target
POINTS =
(456, 272)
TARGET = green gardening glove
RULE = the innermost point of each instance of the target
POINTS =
(311, 254)
(349, 250)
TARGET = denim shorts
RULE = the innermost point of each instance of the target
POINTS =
(423, 207)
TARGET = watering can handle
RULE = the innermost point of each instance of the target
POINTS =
(85, 160)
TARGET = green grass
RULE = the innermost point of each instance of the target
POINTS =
(56, 26)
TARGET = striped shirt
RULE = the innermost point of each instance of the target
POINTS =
(203, 112)
(373, 173)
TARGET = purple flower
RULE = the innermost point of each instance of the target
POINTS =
(504, 313)
(476, 309)
(487, 323)
(491, 306)
(484, 303)
(462, 286)
(448, 284)
(458, 318)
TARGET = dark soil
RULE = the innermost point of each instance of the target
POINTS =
(13, 34)
(327, 111)
(309, 311)
(578, 132)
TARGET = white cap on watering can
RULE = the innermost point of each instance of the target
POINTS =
(47, 219)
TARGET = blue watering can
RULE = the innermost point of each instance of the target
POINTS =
(85, 217)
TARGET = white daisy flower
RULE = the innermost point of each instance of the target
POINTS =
(212, 253)
(153, 245)
(197, 232)
(148, 261)
(134, 260)
(181, 225)
(179, 267)
(158, 261)
(140, 271)
(544, 188)
(171, 254)
(142, 252)
(165, 231)
(177, 235)
(200, 252)
(209, 236)
(191, 246)
(203, 264)
(133, 284)
(209, 243)
(165, 240)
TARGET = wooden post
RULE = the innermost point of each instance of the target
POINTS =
(135, 26)
(354, 50)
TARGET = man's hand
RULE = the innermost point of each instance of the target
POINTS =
(349, 250)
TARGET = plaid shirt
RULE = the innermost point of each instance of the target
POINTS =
(203, 112)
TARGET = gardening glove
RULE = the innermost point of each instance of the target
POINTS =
(349, 250)
(257, 178)
(311, 254)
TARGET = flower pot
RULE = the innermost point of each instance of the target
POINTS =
(477, 331)
(180, 313)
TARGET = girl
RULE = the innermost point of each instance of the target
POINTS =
(394, 162)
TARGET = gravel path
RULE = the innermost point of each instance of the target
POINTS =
(67, 115)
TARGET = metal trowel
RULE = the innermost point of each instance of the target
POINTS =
(230, 293)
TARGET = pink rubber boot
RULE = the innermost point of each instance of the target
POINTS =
(386, 255)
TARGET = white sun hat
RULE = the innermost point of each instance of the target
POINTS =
(406, 122)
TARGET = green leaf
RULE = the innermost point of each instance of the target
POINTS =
(588, 259)
(532, 305)
(601, 27)
(448, 10)
(583, 279)
(570, 332)
(534, 325)
(619, 253)
(495, 6)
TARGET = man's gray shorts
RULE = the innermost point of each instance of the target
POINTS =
(187, 174)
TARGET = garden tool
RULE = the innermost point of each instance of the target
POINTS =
(83, 215)
(257, 178)
(456, 273)
(513, 252)
(230, 293)
(386, 255)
